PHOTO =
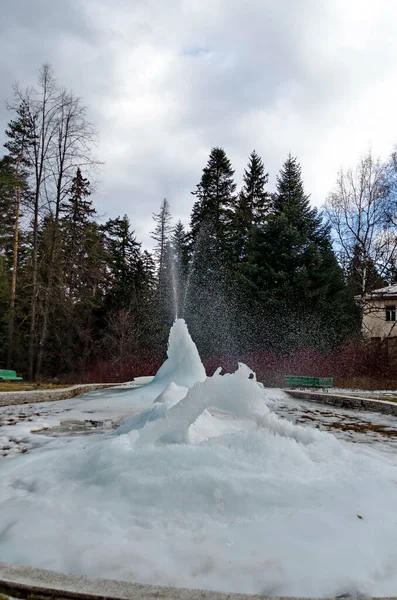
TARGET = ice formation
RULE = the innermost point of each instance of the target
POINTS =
(178, 407)
(183, 365)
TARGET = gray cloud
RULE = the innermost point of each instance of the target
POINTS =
(166, 81)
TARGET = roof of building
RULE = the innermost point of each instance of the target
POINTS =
(389, 290)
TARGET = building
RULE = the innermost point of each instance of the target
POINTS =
(379, 314)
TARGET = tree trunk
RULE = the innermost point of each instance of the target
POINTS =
(11, 317)
(46, 308)
(33, 309)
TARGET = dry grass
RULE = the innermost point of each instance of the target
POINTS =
(19, 386)
(387, 398)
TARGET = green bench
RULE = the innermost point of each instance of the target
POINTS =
(7, 375)
(315, 382)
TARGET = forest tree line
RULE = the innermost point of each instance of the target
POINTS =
(254, 270)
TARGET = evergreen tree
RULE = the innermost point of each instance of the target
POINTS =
(149, 270)
(180, 252)
(215, 204)
(180, 246)
(77, 206)
(83, 255)
(8, 184)
(208, 301)
(253, 206)
(4, 303)
(20, 137)
(161, 235)
(165, 299)
(124, 261)
(129, 310)
(295, 271)
(77, 232)
(257, 200)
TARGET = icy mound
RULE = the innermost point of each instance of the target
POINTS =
(183, 365)
(172, 394)
(235, 393)
(169, 397)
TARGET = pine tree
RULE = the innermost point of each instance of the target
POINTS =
(208, 296)
(77, 205)
(257, 198)
(82, 248)
(180, 252)
(20, 138)
(215, 204)
(253, 206)
(161, 235)
(179, 241)
(291, 201)
(165, 296)
(294, 269)
(149, 270)
(129, 312)
(124, 261)
(8, 184)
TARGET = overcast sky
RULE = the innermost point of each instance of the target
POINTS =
(165, 80)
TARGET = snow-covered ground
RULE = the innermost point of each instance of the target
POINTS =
(364, 393)
(210, 483)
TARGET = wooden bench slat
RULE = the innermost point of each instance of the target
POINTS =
(8, 375)
(304, 381)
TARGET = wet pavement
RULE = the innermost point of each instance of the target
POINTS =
(354, 426)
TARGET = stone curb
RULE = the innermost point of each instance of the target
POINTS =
(36, 396)
(27, 583)
(348, 402)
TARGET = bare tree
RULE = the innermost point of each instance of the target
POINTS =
(70, 148)
(62, 139)
(358, 211)
(42, 102)
(123, 335)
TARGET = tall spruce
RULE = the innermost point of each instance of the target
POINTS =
(295, 270)
(257, 199)
(128, 308)
(20, 138)
(180, 251)
(208, 308)
(124, 260)
(253, 206)
(161, 236)
(82, 263)
(215, 204)
(179, 241)
(165, 309)
(8, 184)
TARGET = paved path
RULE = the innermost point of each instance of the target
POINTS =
(345, 401)
(50, 395)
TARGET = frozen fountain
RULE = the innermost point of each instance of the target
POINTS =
(203, 486)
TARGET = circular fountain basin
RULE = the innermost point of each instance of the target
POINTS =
(209, 484)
